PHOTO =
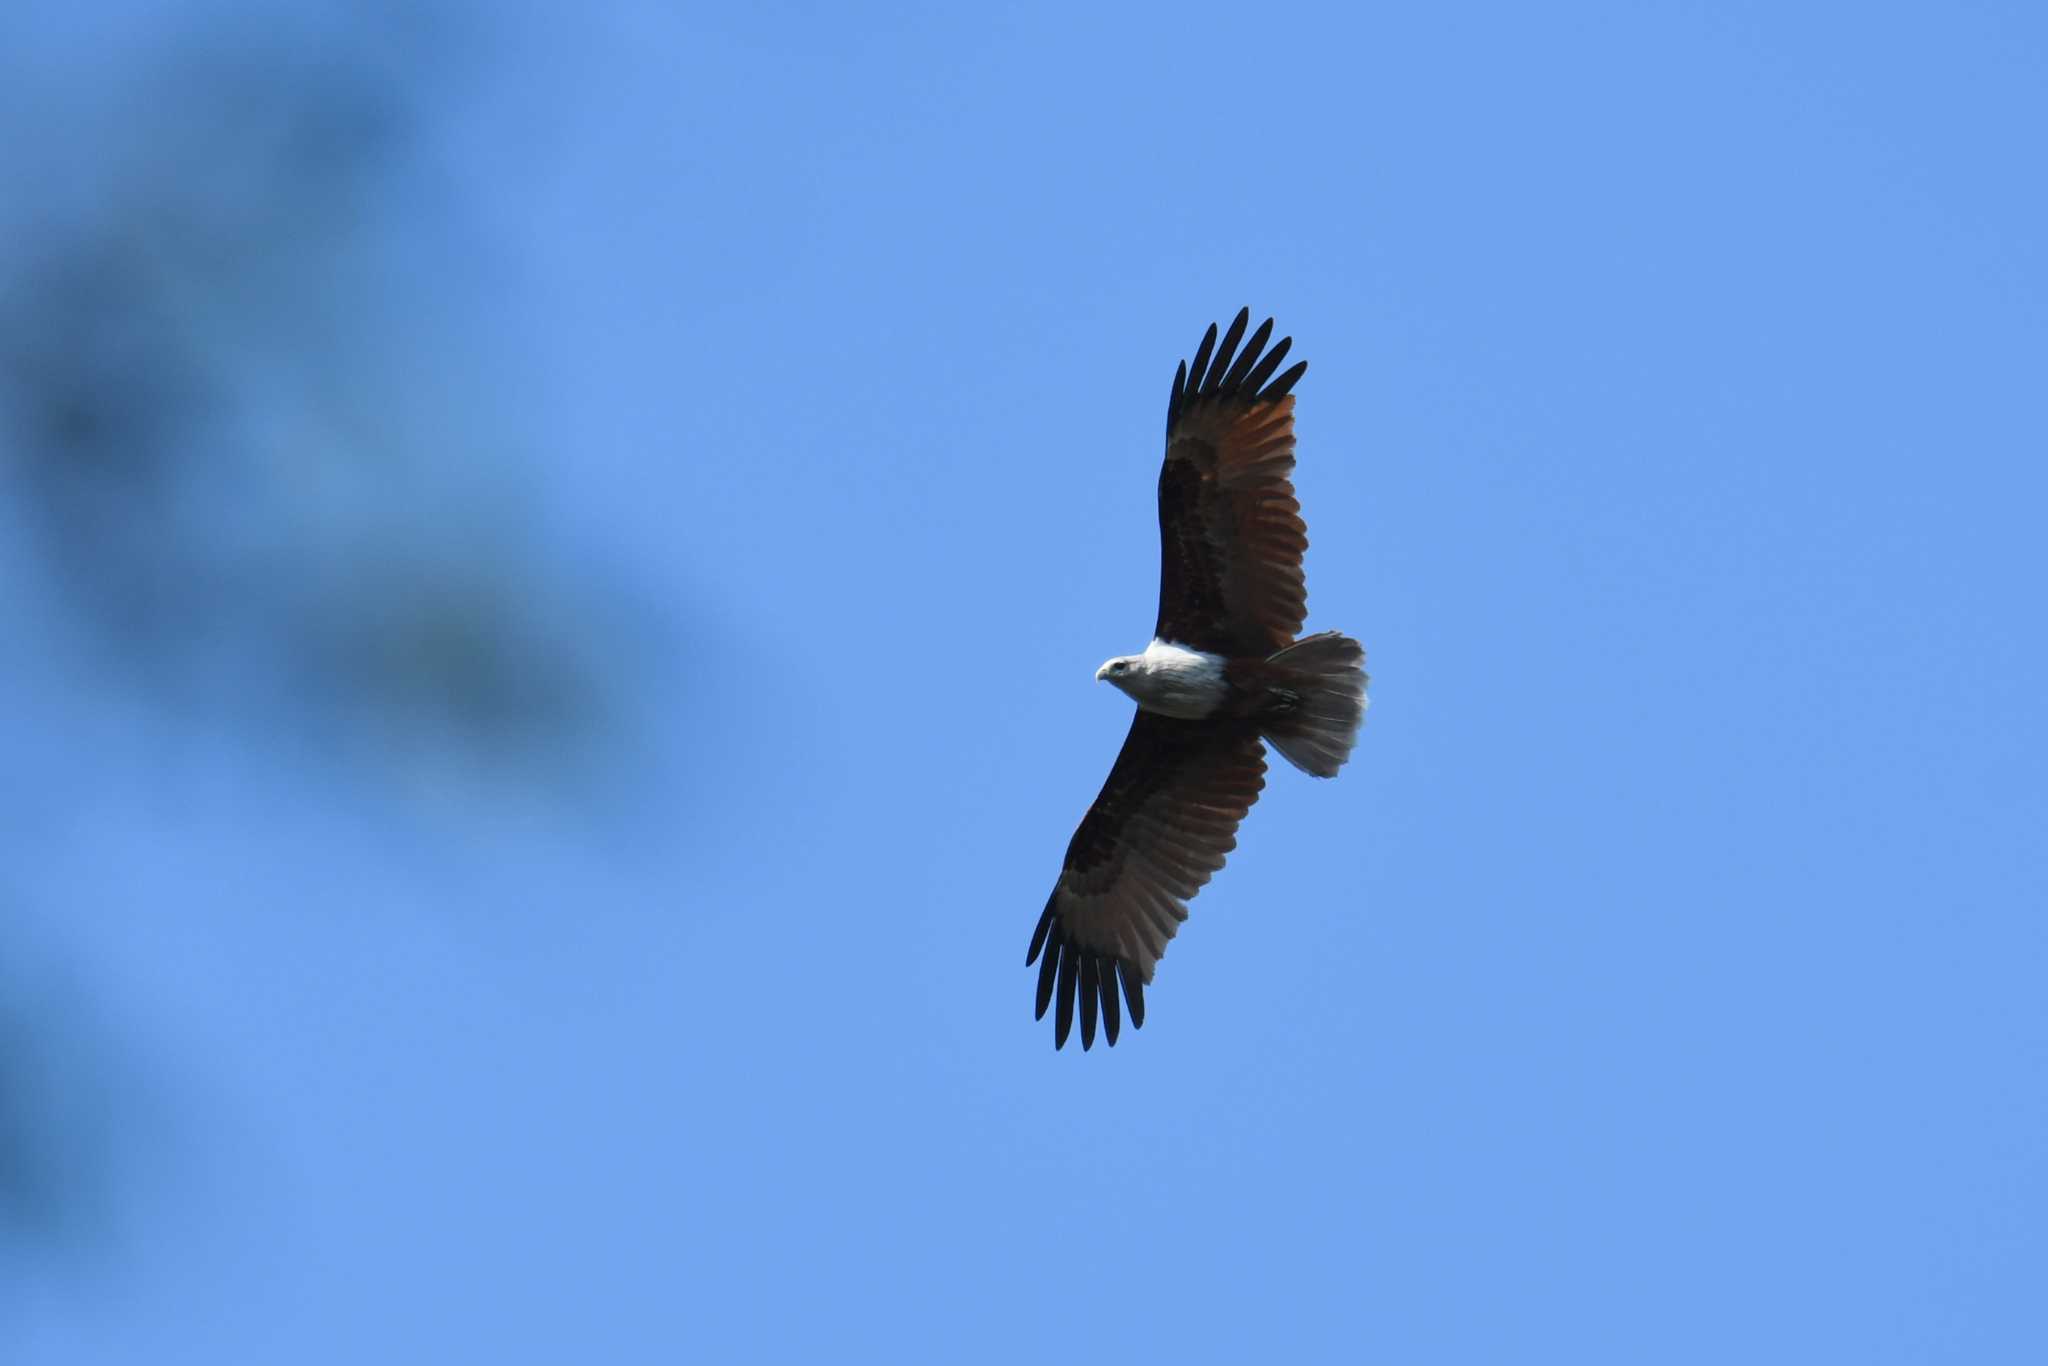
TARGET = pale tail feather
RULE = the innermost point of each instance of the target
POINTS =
(1329, 671)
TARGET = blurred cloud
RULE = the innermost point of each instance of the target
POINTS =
(262, 418)
(274, 498)
(62, 1088)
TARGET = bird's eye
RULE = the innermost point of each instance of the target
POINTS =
(1118, 667)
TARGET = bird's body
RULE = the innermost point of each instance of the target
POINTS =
(1171, 680)
(1223, 675)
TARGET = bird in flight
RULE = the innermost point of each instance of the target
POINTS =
(1224, 674)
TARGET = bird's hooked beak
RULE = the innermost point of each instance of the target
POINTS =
(1102, 673)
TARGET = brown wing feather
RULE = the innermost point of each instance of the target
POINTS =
(1158, 830)
(1230, 530)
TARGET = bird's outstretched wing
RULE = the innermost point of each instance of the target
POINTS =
(1158, 830)
(1230, 531)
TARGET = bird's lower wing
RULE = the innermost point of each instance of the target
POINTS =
(1159, 829)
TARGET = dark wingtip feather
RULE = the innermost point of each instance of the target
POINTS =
(1046, 970)
(1226, 351)
(1265, 368)
(1219, 369)
(1200, 364)
(1279, 387)
(1109, 1011)
(1069, 974)
(1091, 992)
(1134, 992)
(1044, 928)
(1248, 357)
(1063, 1016)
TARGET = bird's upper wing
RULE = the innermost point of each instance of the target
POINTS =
(1158, 830)
(1230, 531)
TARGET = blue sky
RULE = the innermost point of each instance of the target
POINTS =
(528, 827)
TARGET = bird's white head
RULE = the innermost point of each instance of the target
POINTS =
(1121, 670)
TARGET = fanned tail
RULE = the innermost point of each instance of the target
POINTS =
(1328, 671)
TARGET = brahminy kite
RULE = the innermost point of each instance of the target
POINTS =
(1223, 675)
